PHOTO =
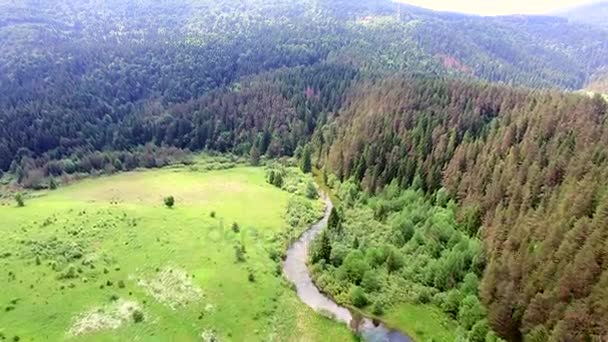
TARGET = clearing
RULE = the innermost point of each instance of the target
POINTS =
(104, 259)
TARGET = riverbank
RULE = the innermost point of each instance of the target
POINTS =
(296, 270)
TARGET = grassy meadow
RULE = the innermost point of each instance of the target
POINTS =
(104, 259)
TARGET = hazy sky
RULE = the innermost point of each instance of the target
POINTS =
(496, 7)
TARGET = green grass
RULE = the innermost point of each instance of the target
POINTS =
(421, 322)
(116, 229)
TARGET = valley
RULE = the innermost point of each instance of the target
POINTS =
(164, 167)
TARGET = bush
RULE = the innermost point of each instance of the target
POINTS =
(394, 261)
(212, 214)
(451, 303)
(278, 180)
(424, 295)
(169, 201)
(311, 191)
(138, 316)
(52, 184)
(354, 267)
(370, 281)
(470, 312)
(121, 284)
(239, 253)
(235, 227)
(378, 308)
(19, 200)
(69, 273)
(479, 331)
(357, 296)
(251, 276)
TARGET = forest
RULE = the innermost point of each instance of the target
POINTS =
(471, 175)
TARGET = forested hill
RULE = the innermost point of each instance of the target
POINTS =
(593, 13)
(70, 69)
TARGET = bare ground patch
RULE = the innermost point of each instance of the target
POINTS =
(172, 287)
(149, 188)
(108, 317)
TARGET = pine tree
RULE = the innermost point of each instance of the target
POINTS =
(254, 156)
(305, 161)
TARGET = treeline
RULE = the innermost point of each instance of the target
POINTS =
(38, 173)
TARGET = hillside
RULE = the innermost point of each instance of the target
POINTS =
(593, 13)
(101, 64)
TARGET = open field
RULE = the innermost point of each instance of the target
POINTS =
(104, 259)
(422, 322)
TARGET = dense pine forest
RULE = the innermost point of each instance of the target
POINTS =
(470, 174)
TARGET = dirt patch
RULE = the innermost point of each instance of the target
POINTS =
(109, 317)
(151, 188)
(172, 287)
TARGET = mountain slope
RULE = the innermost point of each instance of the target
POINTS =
(594, 13)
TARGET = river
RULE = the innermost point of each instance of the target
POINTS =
(296, 270)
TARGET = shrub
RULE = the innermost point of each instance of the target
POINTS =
(470, 311)
(357, 296)
(378, 308)
(169, 201)
(394, 261)
(52, 184)
(19, 200)
(121, 284)
(370, 281)
(278, 180)
(70, 273)
(251, 276)
(235, 227)
(239, 253)
(479, 331)
(452, 302)
(423, 295)
(353, 268)
(326, 313)
(311, 191)
(138, 316)
(212, 214)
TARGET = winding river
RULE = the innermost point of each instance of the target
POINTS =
(296, 270)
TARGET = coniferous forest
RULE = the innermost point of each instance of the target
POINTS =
(471, 171)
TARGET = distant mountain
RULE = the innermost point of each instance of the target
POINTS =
(595, 13)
